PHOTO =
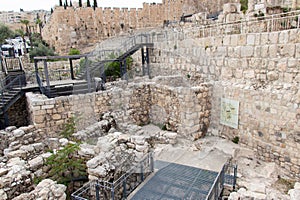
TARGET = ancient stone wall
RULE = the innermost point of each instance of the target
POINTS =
(261, 71)
(84, 27)
(17, 113)
(133, 103)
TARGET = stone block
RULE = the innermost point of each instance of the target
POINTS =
(251, 39)
(283, 37)
(273, 37)
(247, 51)
(36, 163)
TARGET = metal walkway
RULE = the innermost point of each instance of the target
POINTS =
(174, 181)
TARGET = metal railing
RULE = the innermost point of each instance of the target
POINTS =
(224, 178)
(119, 189)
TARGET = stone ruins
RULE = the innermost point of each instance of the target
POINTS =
(202, 77)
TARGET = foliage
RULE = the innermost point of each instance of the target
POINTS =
(244, 6)
(51, 10)
(74, 51)
(95, 4)
(65, 166)
(236, 140)
(71, 5)
(80, 3)
(5, 33)
(66, 2)
(41, 50)
(88, 3)
(113, 69)
(69, 128)
(60, 3)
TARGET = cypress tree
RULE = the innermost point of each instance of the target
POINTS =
(71, 5)
(95, 4)
(88, 4)
(80, 3)
(60, 3)
(51, 10)
(65, 6)
(66, 2)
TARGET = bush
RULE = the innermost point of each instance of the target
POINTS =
(41, 50)
(5, 33)
(244, 6)
(74, 52)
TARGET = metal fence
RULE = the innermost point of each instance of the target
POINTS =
(227, 176)
(120, 188)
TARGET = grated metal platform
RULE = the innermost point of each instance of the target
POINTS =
(174, 181)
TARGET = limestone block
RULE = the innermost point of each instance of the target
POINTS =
(10, 128)
(86, 150)
(249, 74)
(17, 153)
(94, 162)
(36, 163)
(251, 39)
(3, 171)
(3, 195)
(56, 116)
(287, 50)
(139, 140)
(283, 37)
(170, 135)
(247, 51)
(273, 37)
(273, 51)
(18, 133)
(141, 148)
(99, 171)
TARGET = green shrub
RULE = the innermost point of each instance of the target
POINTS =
(74, 51)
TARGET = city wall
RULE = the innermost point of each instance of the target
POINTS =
(182, 109)
(82, 28)
(260, 71)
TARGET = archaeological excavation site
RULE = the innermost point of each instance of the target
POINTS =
(187, 100)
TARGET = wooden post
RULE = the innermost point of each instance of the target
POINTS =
(71, 68)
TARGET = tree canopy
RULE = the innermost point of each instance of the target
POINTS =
(88, 3)
(5, 33)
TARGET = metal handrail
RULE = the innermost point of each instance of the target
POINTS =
(112, 187)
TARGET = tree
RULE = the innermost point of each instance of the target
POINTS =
(95, 4)
(71, 5)
(5, 33)
(66, 2)
(60, 3)
(41, 50)
(51, 10)
(40, 24)
(28, 33)
(88, 4)
(65, 6)
(80, 3)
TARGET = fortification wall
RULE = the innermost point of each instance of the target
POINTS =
(137, 103)
(82, 28)
(261, 72)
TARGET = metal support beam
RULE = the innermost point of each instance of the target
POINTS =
(143, 61)
(148, 62)
(71, 68)
(47, 76)
(88, 75)
(123, 69)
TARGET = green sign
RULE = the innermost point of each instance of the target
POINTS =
(229, 113)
